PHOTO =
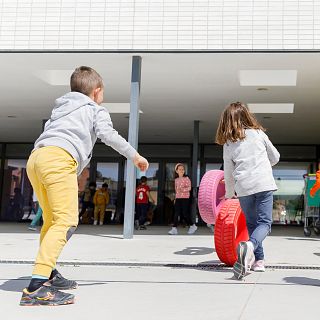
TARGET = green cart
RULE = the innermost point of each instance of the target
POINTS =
(311, 207)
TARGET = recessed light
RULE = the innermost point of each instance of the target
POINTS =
(267, 118)
(12, 117)
(262, 89)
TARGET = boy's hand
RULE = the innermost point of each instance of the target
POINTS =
(141, 162)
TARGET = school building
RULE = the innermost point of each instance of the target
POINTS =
(170, 67)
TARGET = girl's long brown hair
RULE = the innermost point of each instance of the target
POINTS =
(233, 122)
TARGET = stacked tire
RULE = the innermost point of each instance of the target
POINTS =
(230, 223)
(230, 229)
(211, 194)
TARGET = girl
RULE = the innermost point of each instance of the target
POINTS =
(248, 158)
(182, 203)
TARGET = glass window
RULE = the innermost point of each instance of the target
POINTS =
(107, 172)
(213, 166)
(17, 191)
(169, 179)
(153, 179)
(289, 198)
(83, 179)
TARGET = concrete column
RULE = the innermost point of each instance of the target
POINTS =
(195, 151)
(133, 140)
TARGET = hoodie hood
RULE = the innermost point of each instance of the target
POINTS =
(69, 103)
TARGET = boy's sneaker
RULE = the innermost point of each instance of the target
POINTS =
(192, 229)
(259, 266)
(95, 222)
(60, 283)
(101, 223)
(32, 228)
(173, 231)
(46, 295)
(245, 259)
(143, 227)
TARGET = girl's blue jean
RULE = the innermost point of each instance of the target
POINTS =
(258, 211)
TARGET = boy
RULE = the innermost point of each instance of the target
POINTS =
(100, 200)
(142, 202)
(61, 152)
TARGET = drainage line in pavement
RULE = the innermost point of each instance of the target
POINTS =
(168, 265)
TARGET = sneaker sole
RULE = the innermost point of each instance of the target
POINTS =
(36, 303)
(239, 269)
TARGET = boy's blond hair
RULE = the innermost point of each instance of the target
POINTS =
(233, 122)
(85, 80)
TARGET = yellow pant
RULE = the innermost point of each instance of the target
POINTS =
(53, 174)
(99, 208)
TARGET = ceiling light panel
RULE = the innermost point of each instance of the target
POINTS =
(118, 107)
(271, 107)
(269, 78)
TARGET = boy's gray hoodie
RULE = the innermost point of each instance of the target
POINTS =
(75, 124)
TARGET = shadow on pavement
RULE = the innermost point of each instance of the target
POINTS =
(15, 285)
(195, 251)
(304, 281)
(303, 239)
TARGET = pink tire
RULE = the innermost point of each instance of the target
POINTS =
(211, 191)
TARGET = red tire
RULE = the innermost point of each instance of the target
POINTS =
(230, 229)
(211, 191)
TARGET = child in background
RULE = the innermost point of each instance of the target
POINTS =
(182, 201)
(100, 200)
(88, 195)
(142, 203)
(248, 158)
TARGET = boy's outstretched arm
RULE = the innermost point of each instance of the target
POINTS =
(107, 134)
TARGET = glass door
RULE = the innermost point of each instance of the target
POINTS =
(169, 191)
(17, 191)
(108, 172)
(288, 203)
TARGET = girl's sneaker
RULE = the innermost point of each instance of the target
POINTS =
(173, 231)
(259, 266)
(192, 229)
(245, 259)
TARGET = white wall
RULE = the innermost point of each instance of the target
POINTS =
(160, 24)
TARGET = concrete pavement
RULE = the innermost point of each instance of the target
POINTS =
(156, 276)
